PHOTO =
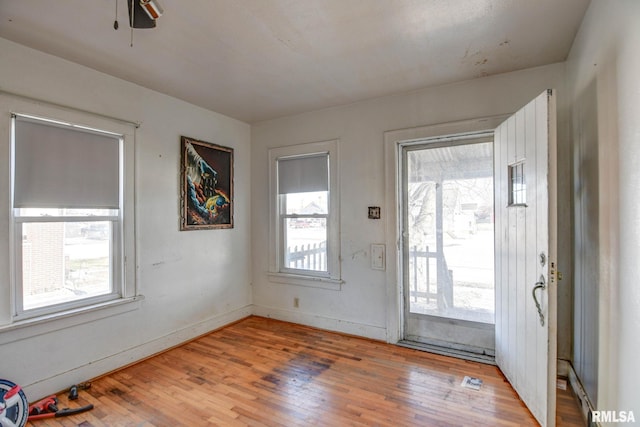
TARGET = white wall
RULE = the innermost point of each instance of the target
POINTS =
(361, 306)
(192, 282)
(603, 69)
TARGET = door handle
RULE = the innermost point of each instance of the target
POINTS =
(540, 284)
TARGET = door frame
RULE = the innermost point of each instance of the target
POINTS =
(393, 204)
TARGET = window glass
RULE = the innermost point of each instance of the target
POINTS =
(449, 238)
(305, 230)
(517, 184)
(65, 261)
(305, 244)
(310, 203)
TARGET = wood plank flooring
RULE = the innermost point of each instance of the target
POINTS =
(263, 372)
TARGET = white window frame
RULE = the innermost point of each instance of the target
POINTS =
(278, 272)
(114, 256)
(123, 289)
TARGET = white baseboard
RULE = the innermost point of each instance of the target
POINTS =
(115, 361)
(351, 328)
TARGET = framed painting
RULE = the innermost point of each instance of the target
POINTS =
(206, 185)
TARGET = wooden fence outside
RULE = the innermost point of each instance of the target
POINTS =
(421, 281)
(307, 257)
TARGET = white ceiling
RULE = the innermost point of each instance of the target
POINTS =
(260, 59)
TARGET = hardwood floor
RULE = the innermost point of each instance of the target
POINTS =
(263, 372)
(568, 411)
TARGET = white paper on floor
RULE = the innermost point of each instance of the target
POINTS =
(472, 383)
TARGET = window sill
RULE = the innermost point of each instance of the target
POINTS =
(308, 281)
(27, 328)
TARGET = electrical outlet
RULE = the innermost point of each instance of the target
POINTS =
(296, 302)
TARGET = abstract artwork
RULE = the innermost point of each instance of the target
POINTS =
(206, 185)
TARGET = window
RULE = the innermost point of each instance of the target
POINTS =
(304, 232)
(517, 185)
(68, 193)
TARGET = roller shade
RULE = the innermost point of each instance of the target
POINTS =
(303, 174)
(58, 166)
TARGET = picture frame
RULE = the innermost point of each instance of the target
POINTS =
(206, 185)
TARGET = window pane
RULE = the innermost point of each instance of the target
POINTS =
(315, 202)
(306, 244)
(65, 261)
(517, 185)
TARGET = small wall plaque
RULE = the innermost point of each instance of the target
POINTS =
(374, 212)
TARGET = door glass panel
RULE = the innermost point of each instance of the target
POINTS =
(450, 224)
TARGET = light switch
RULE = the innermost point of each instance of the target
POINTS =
(377, 256)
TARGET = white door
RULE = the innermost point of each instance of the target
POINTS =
(525, 245)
